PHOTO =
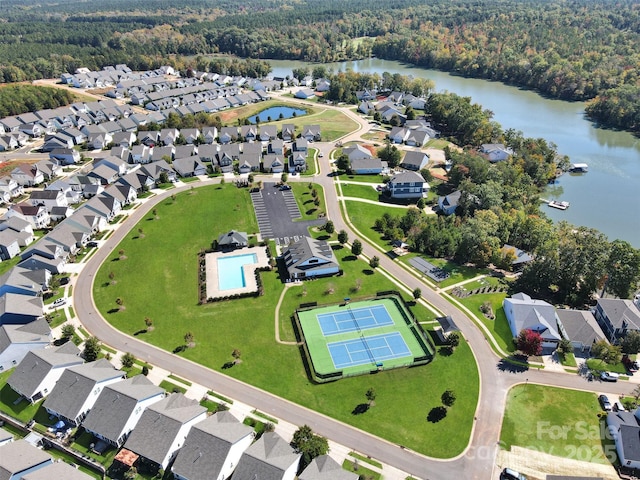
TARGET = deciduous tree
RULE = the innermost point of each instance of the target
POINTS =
(529, 342)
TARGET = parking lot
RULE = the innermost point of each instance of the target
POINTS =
(276, 211)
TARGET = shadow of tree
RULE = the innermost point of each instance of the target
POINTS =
(445, 351)
(179, 348)
(113, 310)
(360, 409)
(228, 365)
(513, 364)
(337, 247)
(350, 258)
(368, 271)
(140, 332)
(436, 414)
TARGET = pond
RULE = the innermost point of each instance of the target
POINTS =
(276, 113)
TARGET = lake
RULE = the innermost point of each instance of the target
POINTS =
(275, 113)
(606, 198)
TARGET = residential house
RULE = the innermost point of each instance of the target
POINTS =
(398, 134)
(18, 340)
(288, 132)
(326, 468)
(72, 196)
(120, 166)
(449, 203)
(276, 146)
(48, 199)
(270, 457)
(49, 169)
(581, 328)
(208, 152)
(20, 458)
(10, 186)
(298, 162)
(156, 169)
(27, 175)
(249, 133)
(417, 137)
(415, 160)
(273, 163)
(9, 244)
(407, 185)
(183, 151)
(311, 133)
(78, 388)
(357, 152)
(366, 107)
(496, 152)
(228, 134)
(33, 130)
(249, 162)
(209, 134)
(268, 133)
(367, 166)
(125, 194)
(149, 138)
(616, 317)
(57, 470)
(123, 139)
(232, 240)
(71, 238)
(37, 373)
(140, 154)
(37, 216)
(168, 136)
(139, 180)
(163, 428)
(106, 173)
(119, 407)
(519, 258)
(54, 142)
(65, 156)
(22, 281)
(189, 167)
(310, 258)
(213, 448)
(304, 93)
(624, 427)
(323, 85)
(76, 135)
(525, 313)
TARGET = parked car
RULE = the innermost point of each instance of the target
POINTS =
(508, 474)
(630, 365)
(604, 403)
(609, 376)
(92, 244)
(618, 407)
(59, 302)
(285, 187)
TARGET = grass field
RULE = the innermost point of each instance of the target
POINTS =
(361, 178)
(363, 217)
(359, 191)
(556, 421)
(333, 123)
(168, 255)
(305, 199)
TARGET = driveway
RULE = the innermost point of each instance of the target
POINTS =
(276, 211)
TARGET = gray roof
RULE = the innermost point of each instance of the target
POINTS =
(407, 177)
(299, 253)
(326, 468)
(76, 384)
(57, 470)
(629, 434)
(37, 364)
(115, 405)
(621, 312)
(266, 459)
(366, 163)
(155, 432)
(37, 331)
(25, 279)
(233, 238)
(580, 326)
(207, 446)
(414, 159)
(536, 315)
(19, 456)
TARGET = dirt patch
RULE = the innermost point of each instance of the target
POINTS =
(537, 465)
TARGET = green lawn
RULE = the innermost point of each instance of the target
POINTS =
(499, 327)
(557, 421)
(305, 200)
(359, 191)
(363, 217)
(361, 469)
(596, 364)
(167, 254)
(23, 411)
(82, 443)
(457, 273)
(361, 178)
(171, 387)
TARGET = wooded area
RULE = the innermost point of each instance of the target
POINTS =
(575, 50)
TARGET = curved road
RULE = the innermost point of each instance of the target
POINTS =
(476, 462)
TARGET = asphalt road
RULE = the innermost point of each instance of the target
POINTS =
(477, 462)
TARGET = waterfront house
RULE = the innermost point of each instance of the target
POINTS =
(525, 313)
(616, 317)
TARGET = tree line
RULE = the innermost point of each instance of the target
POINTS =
(17, 99)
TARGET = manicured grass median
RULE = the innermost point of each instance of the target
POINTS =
(556, 421)
(168, 255)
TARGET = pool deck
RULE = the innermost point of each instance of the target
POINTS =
(211, 268)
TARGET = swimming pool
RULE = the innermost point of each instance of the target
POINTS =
(230, 271)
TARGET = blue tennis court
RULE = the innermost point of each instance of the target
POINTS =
(374, 350)
(352, 320)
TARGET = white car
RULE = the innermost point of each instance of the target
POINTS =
(609, 376)
(59, 302)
